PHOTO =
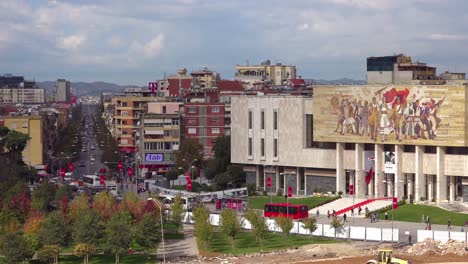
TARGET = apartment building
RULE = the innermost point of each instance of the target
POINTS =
(204, 122)
(62, 91)
(159, 137)
(332, 141)
(15, 89)
(265, 73)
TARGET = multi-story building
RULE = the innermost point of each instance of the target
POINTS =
(265, 73)
(412, 137)
(453, 75)
(204, 78)
(204, 122)
(14, 89)
(397, 69)
(128, 111)
(62, 91)
(159, 136)
(33, 154)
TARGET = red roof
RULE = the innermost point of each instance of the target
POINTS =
(297, 82)
(227, 85)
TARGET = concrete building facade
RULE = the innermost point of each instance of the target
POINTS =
(265, 73)
(33, 154)
(22, 95)
(272, 137)
(62, 91)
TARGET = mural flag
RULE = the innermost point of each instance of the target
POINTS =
(369, 176)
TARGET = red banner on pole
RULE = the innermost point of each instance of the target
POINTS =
(369, 176)
(130, 171)
(268, 182)
(351, 189)
(62, 172)
(102, 179)
(119, 165)
(189, 185)
(70, 166)
(395, 203)
(289, 191)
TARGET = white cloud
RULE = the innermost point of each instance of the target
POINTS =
(448, 37)
(304, 26)
(72, 42)
(154, 46)
(139, 52)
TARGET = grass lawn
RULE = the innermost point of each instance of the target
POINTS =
(258, 202)
(105, 259)
(413, 213)
(245, 243)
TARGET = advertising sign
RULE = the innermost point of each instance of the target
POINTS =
(390, 166)
(412, 115)
(154, 157)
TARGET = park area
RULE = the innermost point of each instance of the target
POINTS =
(414, 213)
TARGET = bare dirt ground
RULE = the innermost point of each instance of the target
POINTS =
(342, 253)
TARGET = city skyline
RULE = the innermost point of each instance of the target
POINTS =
(116, 41)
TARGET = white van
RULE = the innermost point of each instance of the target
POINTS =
(187, 202)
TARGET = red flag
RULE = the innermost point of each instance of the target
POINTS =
(351, 189)
(289, 191)
(119, 165)
(395, 203)
(189, 185)
(102, 179)
(70, 166)
(369, 176)
(130, 171)
(62, 172)
(268, 182)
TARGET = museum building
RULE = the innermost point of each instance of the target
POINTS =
(409, 141)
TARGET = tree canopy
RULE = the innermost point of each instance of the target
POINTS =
(189, 150)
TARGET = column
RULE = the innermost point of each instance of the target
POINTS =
(420, 186)
(378, 172)
(452, 189)
(340, 171)
(399, 178)
(370, 188)
(409, 184)
(277, 179)
(257, 176)
(441, 179)
(390, 185)
(430, 186)
(359, 170)
(298, 180)
(265, 187)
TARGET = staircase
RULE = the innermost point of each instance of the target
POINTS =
(371, 204)
(344, 205)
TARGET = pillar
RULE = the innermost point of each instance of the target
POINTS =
(370, 189)
(277, 179)
(298, 180)
(257, 176)
(452, 189)
(378, 172)
(399, 178)
(430, 187)
(360, 180)
(265, 187)
(390, 186)
(409, 184)
(420, 186)
(340, 171)
(441, 179)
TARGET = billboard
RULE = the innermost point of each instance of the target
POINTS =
(415, 115)
(154, 157)
(390, 166)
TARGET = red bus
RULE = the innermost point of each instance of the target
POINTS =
(294, 211)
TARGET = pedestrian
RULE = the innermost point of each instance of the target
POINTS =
(359, 211)
(328, 213)
(334, 213)
(422, 219)
(366, 210)
(428, 220)
(377, 217)
(344, 218)
(386, 216)
(371, 217)
(352, 211)
(449, 223)
(462, 230)
(318, 213)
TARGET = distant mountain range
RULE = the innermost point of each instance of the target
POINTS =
(84, 88)
(96, 88)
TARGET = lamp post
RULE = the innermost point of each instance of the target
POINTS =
(160, 204)
(391, 200)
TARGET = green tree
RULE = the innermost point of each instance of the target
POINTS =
(336, 224)
(63, 191)
(310, 224)
(234, 174)
(222, 153)
(286, 224)
(203, 227)
(87, 228)
(78, 206)
(177, 211)
(259, 225)
(55, 230)
(172, 175)
(15, 249)
(118, 235)
(147, 233)
(49, 252)
(83, 250)
(189, 150)
(42, 196)
(230, 224)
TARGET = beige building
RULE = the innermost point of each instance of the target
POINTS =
(22, 95)
(265, 73)
(275, 137)
(33, 154)
(62, 91)
(204, 78)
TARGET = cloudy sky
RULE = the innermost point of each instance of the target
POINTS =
(136, 41)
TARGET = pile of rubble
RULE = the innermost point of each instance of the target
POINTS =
(429, 246)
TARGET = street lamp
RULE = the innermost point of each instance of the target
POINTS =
(391, 200)
(160, 204)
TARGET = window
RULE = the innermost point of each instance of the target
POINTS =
(262, 147)
(124, 104)
(192, 130)
(250, 146)
(191, 110)
(215, 131)
(309, 131)
(175, 122)
(124, 132)
(262, 117)
(164, 109)
(215, 109)
(250, 119)
(124, 113)
(275, 120)
(275, 147)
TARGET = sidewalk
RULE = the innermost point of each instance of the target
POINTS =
(175, 248)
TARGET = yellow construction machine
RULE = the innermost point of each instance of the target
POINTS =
(385, 256)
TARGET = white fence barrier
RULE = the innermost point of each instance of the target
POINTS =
(346, 232)
(442, 236)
